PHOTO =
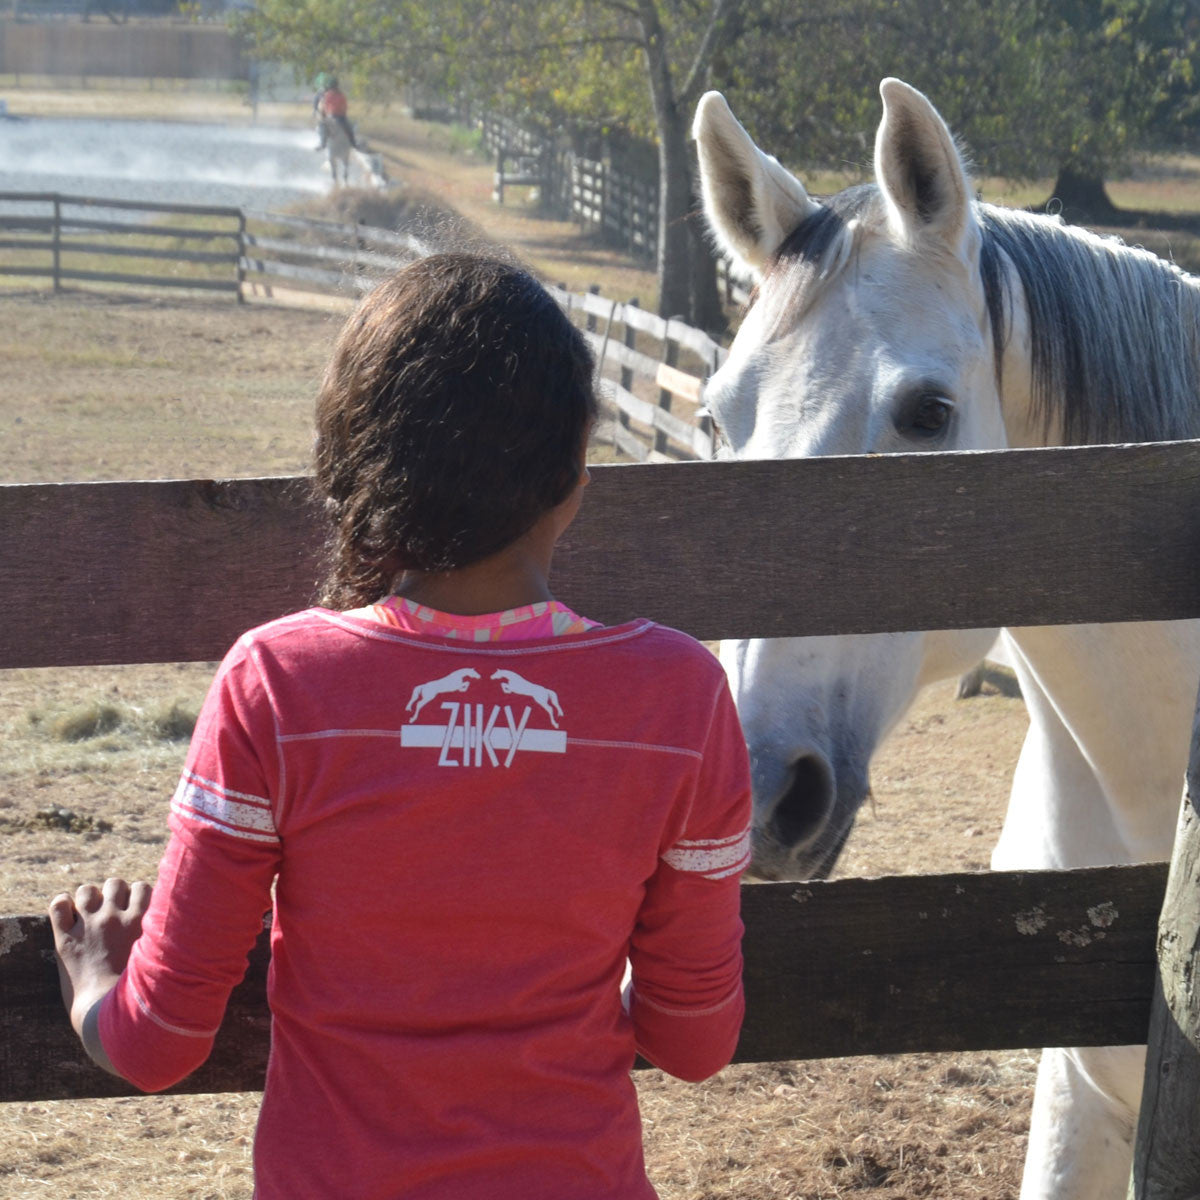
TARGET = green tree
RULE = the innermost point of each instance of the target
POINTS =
(1118, 76)
(640, 65)
(1067, 88)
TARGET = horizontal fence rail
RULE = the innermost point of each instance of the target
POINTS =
(720, 549)
(62, 235)
(856, 966)
(254, 252)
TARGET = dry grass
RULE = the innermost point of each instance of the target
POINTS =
(894, 1128)
(144, 387)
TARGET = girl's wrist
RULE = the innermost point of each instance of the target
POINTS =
(89, 1035)
(87, 997)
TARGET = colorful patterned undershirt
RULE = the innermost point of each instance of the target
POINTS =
(546, 618)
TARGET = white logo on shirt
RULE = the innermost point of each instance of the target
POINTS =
(475, 734)
(456, 681)
(510, 681)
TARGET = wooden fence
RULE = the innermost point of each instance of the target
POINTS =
(139, 49)
(250, 253)
(93, 239)
(323, 257)
(50, 235)
(657, 414)
(173, 571)
(615, 196)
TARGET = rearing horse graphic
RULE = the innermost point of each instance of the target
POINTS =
(511, 682)
(456, 681)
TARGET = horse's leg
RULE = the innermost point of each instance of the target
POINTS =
(1086, 1100)
(1081, 1130)
(1098, 781)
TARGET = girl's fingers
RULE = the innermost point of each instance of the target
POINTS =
(62, 913)
(139, 897)
(130, 900)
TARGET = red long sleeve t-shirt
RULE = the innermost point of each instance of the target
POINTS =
(466, 842)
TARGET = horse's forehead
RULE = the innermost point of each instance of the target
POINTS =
(885, 315)
(899, 296)
(823, 365)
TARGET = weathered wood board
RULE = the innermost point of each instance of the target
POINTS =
(176, 570)
(855, 966)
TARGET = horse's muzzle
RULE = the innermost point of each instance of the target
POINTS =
(802, 822)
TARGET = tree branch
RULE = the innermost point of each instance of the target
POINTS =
(709, 44)
(618, 6)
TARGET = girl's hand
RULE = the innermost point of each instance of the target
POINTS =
(94, 932)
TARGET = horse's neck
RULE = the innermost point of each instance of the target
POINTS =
(1111, 713)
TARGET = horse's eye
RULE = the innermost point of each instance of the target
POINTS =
(925, 416)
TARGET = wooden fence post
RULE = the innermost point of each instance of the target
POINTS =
(1166, 1163)
(590, 319)
(671, 358)
(627, 372)
(498, 183)
(241, 253)
(57, 243)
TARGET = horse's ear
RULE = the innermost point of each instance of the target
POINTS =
(752, 203)
(919, 171)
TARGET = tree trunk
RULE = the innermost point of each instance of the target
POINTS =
(687, 273)
(1081, 198)
(674, 196)
(687, 277)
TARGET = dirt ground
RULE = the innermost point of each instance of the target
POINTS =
(127, 386)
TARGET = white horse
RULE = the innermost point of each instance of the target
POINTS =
(341, 152)
(900, 316)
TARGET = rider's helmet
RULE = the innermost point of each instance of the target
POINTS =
(331, 82)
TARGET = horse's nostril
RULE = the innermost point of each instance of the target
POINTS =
(804, 808)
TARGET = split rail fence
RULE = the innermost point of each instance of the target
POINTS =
(856, 966)
(651, 369)
(615, 196)
(94, 239)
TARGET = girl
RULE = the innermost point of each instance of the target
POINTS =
(472, 804)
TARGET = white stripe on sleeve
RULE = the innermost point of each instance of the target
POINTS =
(713, 858)
(237, 814)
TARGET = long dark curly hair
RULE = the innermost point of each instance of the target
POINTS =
(452, 415)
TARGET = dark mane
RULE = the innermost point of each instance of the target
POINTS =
(812, 240)
(1113, 329)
